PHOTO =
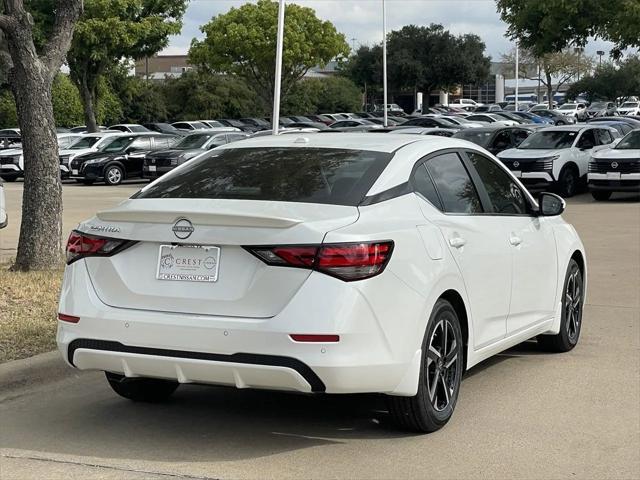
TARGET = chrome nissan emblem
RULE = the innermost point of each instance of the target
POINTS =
(516, 164)
(614, 165)
(183, 229)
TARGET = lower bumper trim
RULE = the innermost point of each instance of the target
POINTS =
(317, 385)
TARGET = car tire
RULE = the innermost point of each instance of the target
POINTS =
(438, 386)
(601, 195)
(568, 182)
(9, 179)
(150, 390)
(571, 321)
(113, 175)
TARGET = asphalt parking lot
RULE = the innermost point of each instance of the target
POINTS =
(522, 414)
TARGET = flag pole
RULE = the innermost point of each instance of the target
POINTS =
(278, 77)
(384, 61)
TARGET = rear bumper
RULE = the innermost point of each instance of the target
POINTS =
(242, 370)
(249, 352)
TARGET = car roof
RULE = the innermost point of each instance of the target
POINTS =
(348, 141)
(568, 128)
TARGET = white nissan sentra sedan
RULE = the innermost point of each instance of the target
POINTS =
(337, 263)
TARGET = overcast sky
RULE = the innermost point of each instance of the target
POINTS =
(362, 20)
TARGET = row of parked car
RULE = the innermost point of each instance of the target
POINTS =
(543, 157)
(579, 109)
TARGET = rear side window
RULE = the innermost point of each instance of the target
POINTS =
(307, 175)
(453, 183)
(423, 185)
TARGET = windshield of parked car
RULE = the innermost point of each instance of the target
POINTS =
(568, 106)
(193, 141)
(630, 142)
(595, 105)
(630, 104)
(549, 140)
(308, 175)
(481, 138)
(116, 144)
(85, 142)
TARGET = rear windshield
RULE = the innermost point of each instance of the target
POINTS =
(306, 175)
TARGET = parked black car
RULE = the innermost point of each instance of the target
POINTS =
(119, 159)
(496, 139)
(160, 162)
(245, 127)
(164, 128)
(430, 122)
(259, 123)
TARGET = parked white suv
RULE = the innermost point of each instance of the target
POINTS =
(629, 108)
(557, 157)
(616, 169)
(4, 220)
(571, 109)
(12, 160)
(465, 104)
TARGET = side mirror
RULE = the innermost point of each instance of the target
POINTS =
(550, 205)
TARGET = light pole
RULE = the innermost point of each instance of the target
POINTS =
(278, 78)
(600, 53)
(384, 62)
(517, 73)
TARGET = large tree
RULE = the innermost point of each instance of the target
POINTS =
(610, 81)
(423, 59)
(30, 72)
(552, 70)
(547, 26)
(243, 42)
(364, 68)
(112, 30)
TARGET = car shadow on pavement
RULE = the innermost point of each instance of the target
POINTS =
(83, 417)
(198, 424)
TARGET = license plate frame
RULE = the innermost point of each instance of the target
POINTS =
(152, 168)
(517, 173)
(74, 171)
(613, 176)
(188, 263)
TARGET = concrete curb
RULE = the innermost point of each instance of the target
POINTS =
(18, 376)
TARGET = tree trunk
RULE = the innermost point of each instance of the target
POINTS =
(39, 246)
(88, 96)
(549, 91)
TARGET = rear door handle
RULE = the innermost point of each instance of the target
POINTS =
(515, 240)
(457, 242)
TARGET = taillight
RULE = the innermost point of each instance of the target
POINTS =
(81, 245)
(346, 261)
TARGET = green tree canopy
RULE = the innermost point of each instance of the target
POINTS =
(110, 30)
(547, 26)
(199, 95)
(429, 58)
(610, 81)
(243, 42)
(421, 58)
(323, 95)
